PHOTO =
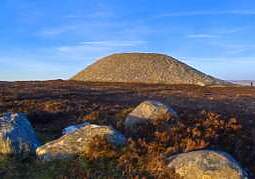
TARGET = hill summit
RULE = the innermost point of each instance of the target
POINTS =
(144, 68)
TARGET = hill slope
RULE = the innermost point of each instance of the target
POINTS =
(144, 68)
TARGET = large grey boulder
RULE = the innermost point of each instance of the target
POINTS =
(79, 142)
(206, 164)
(17, 135)
(148, 113)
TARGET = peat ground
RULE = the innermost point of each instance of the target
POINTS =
(221, 118)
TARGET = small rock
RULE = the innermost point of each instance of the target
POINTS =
(78, 142)
(199, 83)
(73, 128)
(147, 113)
(17, 135)
(206, 164)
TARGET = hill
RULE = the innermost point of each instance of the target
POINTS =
(144, 68)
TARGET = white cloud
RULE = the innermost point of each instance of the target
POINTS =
(209, 13)
(234, 48)
(114, 43)
(57, 30)
(100, 45)
(202, 36)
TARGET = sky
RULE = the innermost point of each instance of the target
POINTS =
(55, 39)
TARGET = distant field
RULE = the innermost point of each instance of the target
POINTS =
(244, 82)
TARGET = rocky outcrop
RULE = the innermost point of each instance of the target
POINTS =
(146, 114)
(79, 142)
(17, 135)
(144, 68)
(206, 164)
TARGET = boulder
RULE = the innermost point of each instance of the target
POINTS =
(79, 142)
(206, 164)
(73, 128)
(17, 135)
(146, 114)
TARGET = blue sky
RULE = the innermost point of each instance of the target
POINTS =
(50, 39)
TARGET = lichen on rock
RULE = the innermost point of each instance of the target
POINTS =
(206, 164)
(148, 113)
(79, 142)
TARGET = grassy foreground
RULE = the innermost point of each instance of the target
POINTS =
(220, 118)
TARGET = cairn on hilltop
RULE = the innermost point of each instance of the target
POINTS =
(148, 68)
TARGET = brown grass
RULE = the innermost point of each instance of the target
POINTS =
(215, 118)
